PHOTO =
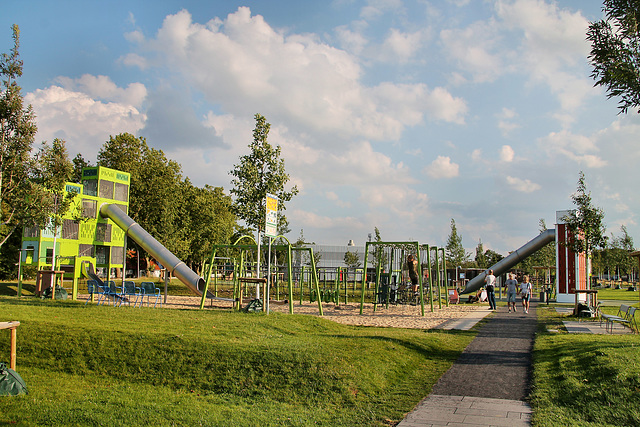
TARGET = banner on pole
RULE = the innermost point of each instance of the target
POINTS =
(271, 222)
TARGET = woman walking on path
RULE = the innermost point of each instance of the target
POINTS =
(512, 290)
(490, 284)
(525, 292)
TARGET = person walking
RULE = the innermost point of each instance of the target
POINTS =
(525, 293)
(490, 286)
(512, 290)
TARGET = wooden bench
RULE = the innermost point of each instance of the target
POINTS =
(625, 316)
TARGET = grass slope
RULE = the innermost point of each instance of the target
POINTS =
(123, 366)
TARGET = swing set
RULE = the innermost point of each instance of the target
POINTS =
(390, 279)
(240, 266)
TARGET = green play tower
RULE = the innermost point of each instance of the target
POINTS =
(85, 235)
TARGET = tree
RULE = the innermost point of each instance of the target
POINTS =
(492, 257)
(53, 171)
(260, 172)
(379, 256)
(78, 164)
(615, 52)
(156, 200)
(481, 259)
(585, 223)
(21, 200)
(209, 218)
(352, 259)
(455, 253)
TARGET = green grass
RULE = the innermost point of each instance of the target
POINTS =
(617, 294)
(90, 365)
(582, 379)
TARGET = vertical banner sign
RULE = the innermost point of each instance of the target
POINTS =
(271, 223)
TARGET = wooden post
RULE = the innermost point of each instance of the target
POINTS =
(12, 326)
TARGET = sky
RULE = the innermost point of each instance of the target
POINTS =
(395, 114)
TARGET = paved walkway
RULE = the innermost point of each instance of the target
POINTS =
(488, 384)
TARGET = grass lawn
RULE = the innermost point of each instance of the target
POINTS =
(618, 294)
(582, 379)
(90, 365)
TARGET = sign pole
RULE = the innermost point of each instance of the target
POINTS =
(271, 231)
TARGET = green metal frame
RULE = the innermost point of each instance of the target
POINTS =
(404, 245)
(243, 248)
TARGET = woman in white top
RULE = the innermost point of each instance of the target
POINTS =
(525, 292)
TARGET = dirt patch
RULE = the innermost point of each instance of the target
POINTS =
(396, 316)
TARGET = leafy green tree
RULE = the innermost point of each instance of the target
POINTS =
(615, 52)
(481, 259)
(79, 163)
(379, 255)
(492, 257)
(352, 259)
(155, 193)
(208, 218)
(53, 171)
(455, 253)
(585, 223)
(22, 201)
(259, 173)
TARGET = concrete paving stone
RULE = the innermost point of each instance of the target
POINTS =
(492, 421)
(483, 412)
(508, 406)
(435, 416)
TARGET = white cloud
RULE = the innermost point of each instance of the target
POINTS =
(507, 154)
(101, 87)
(336, 199)
(553, 48)
(83, 122)
(310, 219)
(399, 46)
(442, 167)
(577, 148)
(243, 65)
(474, 50)
(523, 185)
(505, 121)
(376, 8)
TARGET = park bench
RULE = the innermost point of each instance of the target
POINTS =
(625, 316)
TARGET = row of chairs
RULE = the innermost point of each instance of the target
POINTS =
(109, 292)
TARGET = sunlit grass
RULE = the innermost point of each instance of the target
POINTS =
(90, 365)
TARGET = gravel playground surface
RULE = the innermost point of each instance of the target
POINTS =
(396, 316)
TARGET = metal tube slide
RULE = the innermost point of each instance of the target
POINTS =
(514, 258)
(153, 247)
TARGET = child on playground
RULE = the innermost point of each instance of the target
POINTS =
(525, 292)
(412, 266)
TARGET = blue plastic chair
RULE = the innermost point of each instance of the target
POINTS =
(131, 291)
(149, 290)
(92, 288)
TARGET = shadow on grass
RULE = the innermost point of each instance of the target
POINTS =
(11, 289)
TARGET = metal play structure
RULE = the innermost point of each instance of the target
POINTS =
(390, 259)
(240, 273)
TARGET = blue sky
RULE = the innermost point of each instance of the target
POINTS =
(393, 114)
